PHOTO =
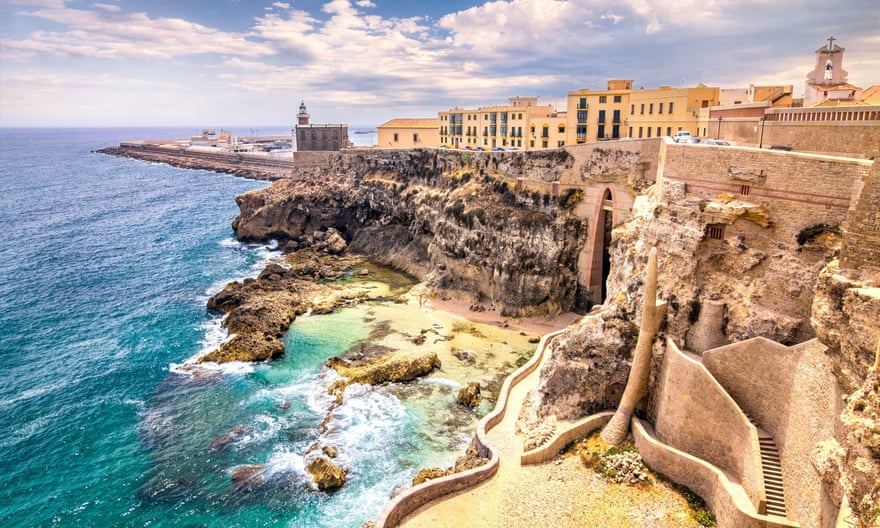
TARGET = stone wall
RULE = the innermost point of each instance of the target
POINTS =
(855, 139)
(861, 243)
(792, 394)
(693, 413)
(798, 190)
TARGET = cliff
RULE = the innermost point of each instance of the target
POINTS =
(454, 223)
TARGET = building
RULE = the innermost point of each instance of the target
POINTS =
(828, 80)
(410, 133)
(665, 110)
(597, 115)
(520, 124)
(318, 137)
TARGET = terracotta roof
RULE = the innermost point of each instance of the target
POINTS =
(872, 94)
(407, 122)
(838, 102)
(832, 87)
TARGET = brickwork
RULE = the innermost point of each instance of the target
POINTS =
(792, 394)
(799, 190)
(861, 245)
(850, 139)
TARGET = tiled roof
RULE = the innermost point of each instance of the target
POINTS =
(406, 122)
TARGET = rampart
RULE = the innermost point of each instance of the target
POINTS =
(693, 413)
(861, 242)
(797, 190)
(791, 392)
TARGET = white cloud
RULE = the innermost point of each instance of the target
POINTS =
(114, 35)
(365, 3)
(281, 5)
(108, 7)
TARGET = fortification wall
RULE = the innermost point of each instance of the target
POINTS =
(854, 139)
(798, 190)
(792, 394)
(695, 415)
(861, 243)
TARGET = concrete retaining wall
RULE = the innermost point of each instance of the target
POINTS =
(793, 395)
(562, 439)
(727, 500)
(696, 415)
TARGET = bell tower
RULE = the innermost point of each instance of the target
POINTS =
(827, 73)
(302, 118)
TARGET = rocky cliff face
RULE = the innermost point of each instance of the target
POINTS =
(449, 218)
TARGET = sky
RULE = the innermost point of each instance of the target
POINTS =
(227, 63)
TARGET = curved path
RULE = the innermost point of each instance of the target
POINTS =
(484, 505)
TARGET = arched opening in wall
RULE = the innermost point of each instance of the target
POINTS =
(606, 223)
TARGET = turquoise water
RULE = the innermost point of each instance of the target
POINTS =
(105, 268)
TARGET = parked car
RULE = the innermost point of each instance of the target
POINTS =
(481, 149)
(681, 136)
(497, 149)
(716, 142)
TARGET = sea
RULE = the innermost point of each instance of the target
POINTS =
(105, 269)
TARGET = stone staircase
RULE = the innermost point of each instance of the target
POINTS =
(772, 475)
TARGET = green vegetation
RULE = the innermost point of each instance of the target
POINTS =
(699, 511)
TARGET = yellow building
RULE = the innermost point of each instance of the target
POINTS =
(409, 133)
(597, 115)
(665, 110)
(520, 124)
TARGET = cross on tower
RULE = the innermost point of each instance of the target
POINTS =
(831, 40)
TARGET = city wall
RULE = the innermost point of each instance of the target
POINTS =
(797, 190)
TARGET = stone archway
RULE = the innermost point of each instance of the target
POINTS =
(597, 252)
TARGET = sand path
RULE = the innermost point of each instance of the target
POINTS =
(561, 493)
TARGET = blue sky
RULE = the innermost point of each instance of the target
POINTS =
(227, 63)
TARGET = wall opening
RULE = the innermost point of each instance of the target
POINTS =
(606, 224)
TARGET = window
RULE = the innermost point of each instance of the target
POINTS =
(668, 131)
(630, 131)
(659, 133)
(601, 132)
(745, 190)
(618, 98)
(660, 110)
(415, 138)
(670, 107)
(632, 109)
(581, 132)
(561, 129)
(640, 131)
(560, 143)
(616, 117)
(582, 103)
(601, 116)
(544, 144)
(545, 131)
(582, 116)
(395, 137)
(642, 109)
(651, 108)
(615, 131)
(603, 98)
(715, 231)
(649, 131)
(532, 143)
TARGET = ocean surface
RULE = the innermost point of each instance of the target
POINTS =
(105, 269)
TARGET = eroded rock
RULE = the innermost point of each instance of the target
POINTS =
(327, 475)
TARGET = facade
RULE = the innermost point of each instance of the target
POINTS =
(665, 110)
(318, 137)
(520, 124)
(828, 78)
(409, 133)
(597, 115)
